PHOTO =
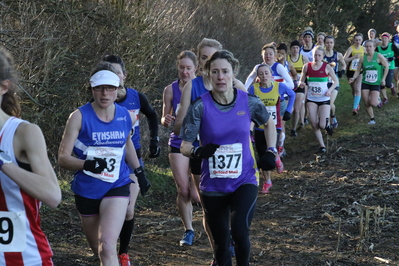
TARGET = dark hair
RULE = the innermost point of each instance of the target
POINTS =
(329, 37)
(282, 46)
(295, 43)
(189, 55)
(114, 59)
(9, 104)
(223, 54)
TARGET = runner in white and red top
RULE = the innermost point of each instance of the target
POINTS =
(27, 178)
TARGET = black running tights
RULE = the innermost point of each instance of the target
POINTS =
(238, 207)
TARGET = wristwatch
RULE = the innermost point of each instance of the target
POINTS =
(4, 158)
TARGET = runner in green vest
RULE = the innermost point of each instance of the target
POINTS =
(388, 50)
(373, 78)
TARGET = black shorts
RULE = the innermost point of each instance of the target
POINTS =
(195, 165)
(300, 90)
(349, 74)
(91, 207)
(320, 103)
(388, 79)
(370, 87)
(174, 149)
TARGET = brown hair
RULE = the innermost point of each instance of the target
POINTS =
(189, 55)
(271, 45)
(223, 54)
(9, 103)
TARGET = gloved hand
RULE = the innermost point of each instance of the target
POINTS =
(204, 152)
(341, 73)
(95, 166)
(143, 181)
(155, 150)
(286, 116)
(267, 161)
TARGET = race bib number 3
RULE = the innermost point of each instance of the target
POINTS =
(12, 231)
(226, 162)
(113, 157)
(371, 76)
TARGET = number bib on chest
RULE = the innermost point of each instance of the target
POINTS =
(113, 157)
(12, 231)
(315, 89)
(272, 110)
(371, 76)
(354, 64)
(226, 162)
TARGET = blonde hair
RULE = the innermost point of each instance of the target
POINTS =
(210, 43)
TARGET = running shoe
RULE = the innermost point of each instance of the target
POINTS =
(188, 238)
(334, 122)
(281, 151)
(393, 90)
(232, 249)
(293, 133)
(279, 164)
(371, 122)
(379, 105)
(266, 187)
(306, 121)
(124, 259)
(322, 150)
(329, 130)
(355, 111)
(397, 95)
(385, 101)
(214, 263)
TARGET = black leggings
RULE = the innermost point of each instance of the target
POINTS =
(238, 206)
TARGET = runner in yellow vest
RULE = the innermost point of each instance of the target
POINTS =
(352, 58)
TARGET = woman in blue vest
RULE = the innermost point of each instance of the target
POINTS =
(98, 134)
(228, 184)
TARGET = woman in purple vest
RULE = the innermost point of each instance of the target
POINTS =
(186, 192)
(229, 184)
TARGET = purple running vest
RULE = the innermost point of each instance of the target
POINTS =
(174, 140)
(233, 163)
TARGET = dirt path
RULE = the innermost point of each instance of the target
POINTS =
(336, 209)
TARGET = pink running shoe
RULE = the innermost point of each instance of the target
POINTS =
(266, 187)
(279, 164)
(124, 259)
